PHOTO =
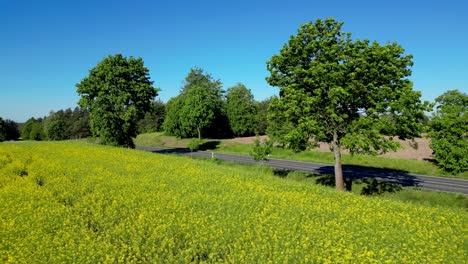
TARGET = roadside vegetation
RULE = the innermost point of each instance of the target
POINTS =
(411, 166)
(78, 202)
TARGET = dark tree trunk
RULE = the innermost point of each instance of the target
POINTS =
(339, 182)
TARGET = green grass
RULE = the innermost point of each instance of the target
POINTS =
(411, 166)
(74, 202)
(408, 195)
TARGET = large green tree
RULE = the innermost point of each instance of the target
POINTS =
(117, 93)
(153, 119)
(33, 130)
(342, 92)
(8, 130)
(198, 110)
(448, 132)
(262, 118)
(241, 110)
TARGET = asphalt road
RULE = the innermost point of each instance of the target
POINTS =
(355, 172)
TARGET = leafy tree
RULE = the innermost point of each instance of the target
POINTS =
(2, 130)
(27, 132)
(56, 125)
(198, 110)
(8, 130)
(117, 93)
(262, 118)
(449, 137)
(241, 110)
(153, 119)
(261, 149)
(340, 91)
(172, 125)
(79, 123)
(194, 144)
(37, 132)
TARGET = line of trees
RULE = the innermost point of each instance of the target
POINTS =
(60, 125)
(8, 130)
(204, 109)
(352, 94)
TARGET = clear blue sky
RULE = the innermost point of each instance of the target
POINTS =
(46, 47)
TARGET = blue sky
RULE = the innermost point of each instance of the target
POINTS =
(46, 47)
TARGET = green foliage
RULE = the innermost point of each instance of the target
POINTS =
(198, 110)
(261, 149)
(340, 91)
(262, 117)
(83, 203)
(117, 93)
(33, 130)
(153, 119)
(37, 132)
(194, 144)
(79, 124)
(449, 126)
(67, 124)
(241, 110)
(172, 125)
(8, 130)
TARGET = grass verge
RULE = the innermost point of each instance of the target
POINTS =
(411, 166)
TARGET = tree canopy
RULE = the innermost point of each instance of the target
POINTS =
(117, 92)
(343, 92)
(33, 130)
(448, 132)
(153, 119)
(198, 110)
(241, 110)
(8, 130)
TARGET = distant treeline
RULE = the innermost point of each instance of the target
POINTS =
(71, 124)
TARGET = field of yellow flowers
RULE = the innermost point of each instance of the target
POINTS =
(65, 202)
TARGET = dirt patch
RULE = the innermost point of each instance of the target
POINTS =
(417, 150)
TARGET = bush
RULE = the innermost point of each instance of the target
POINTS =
(261, 149)
(194, 144)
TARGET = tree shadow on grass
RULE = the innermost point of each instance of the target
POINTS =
(282, 173)
(172, 151)
(433, 161)
(209, 145)
(399, 177)
(373, 181)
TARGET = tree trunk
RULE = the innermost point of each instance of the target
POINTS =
(339, 183)
(199, 133)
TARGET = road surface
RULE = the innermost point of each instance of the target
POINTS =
(355, 172)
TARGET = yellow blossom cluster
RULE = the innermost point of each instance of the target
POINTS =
(67, 202)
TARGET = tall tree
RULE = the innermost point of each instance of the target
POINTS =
(8, 130)
(57, 125)
(262, 118)
(241, 110)
(198, 110)
(172, 125)
(340, 91)
(117, 93)
(153, 119)
(33, 130)
(448, 132)
(79, 123)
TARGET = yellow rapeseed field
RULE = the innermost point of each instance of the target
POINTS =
(71, 202)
